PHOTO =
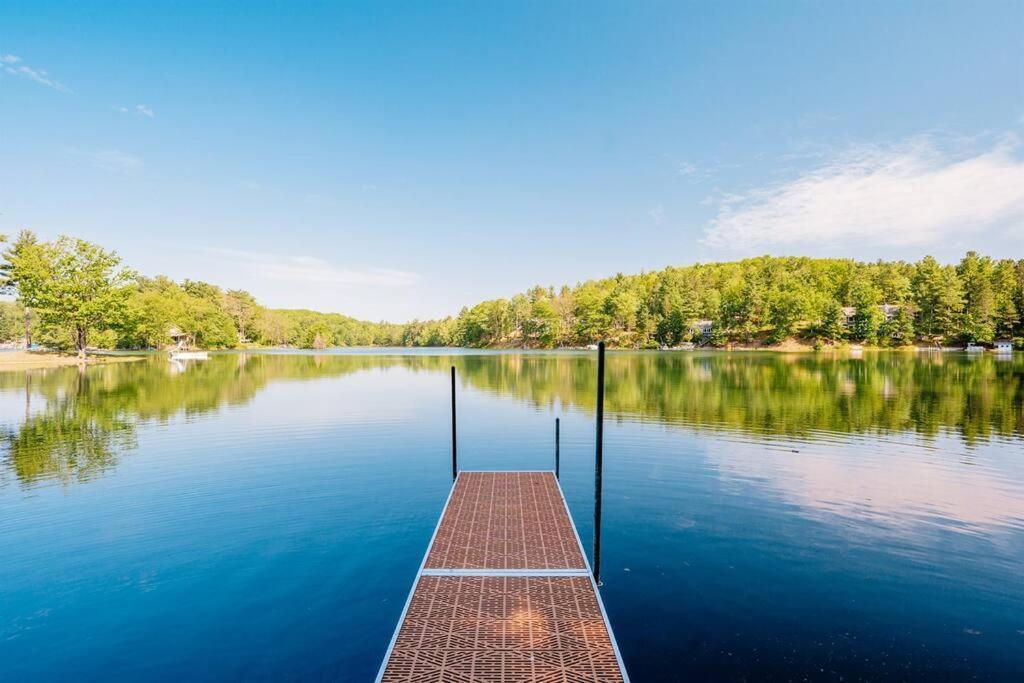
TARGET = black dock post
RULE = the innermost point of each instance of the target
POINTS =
(455, 447)
(598, 463)
(556, 448)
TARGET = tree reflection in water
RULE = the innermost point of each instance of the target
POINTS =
(78, 422)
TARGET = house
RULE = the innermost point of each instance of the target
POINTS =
(702, 327)
(888, 311)
(1004, 346)
(181, 339)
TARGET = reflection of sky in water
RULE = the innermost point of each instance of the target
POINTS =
(898, 480)
(294, 506)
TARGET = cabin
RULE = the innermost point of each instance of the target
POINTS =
(702, 327)
(182, 340)
(1003, 346)
(888, 311)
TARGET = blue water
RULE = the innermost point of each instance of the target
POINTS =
(273, 532)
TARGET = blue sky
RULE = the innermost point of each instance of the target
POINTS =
(400, 160)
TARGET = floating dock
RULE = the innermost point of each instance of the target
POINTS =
(505, 593)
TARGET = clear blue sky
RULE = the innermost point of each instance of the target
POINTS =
(399, 160)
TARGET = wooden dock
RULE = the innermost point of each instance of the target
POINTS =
(504, 593)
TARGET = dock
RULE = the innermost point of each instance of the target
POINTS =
(504, 593)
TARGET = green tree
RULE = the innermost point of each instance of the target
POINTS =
(244, 311)
(976, 274)
(865, 298)
(833, 324)
(898, 331)
(938, 295)
(11, 315)
(72, 285)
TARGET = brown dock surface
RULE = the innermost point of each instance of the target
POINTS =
(504, 594)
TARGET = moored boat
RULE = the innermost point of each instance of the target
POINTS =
(189, 355)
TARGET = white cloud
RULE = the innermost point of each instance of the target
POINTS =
(911, 194)
(140, 109)
(657, 215)
(14, 66)
(312, 270)
(115, 160)
(685, 168)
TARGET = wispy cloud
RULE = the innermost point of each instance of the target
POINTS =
(696, 173)
(912, 193)
(312, 270)
(657, 215)
(686, 168)
(116, 160)
(140, 109)
(14, 65)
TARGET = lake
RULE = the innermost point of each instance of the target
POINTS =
(766, 516)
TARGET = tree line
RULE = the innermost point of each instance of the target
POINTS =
(72, 294)
(763, 300)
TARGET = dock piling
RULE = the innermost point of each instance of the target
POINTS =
(598, 463)
(556, 448)
(455, 445)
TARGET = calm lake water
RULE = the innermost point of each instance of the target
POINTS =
(766, 517)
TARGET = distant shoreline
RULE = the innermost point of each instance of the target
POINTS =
(34, 360)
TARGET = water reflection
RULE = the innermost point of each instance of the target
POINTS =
(766, 516)
(76, 422)
(888, 487)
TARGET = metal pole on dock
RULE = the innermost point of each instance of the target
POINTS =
(556, 448)
(598, 463)
(455, 447)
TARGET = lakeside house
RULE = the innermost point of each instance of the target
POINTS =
(1003, 346)
(888, 311)
(702, 327)
(182, 340)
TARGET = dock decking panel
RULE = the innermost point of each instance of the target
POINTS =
(505, 520)
(504, 594)
(507, 629)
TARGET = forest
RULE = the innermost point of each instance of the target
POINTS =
(72, 294)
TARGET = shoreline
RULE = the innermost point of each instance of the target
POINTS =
(35, 360)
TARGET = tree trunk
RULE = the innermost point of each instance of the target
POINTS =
(80, 340)
(28, 331)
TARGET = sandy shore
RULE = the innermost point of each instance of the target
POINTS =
(28, 360)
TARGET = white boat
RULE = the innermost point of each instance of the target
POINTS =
(975, 348)
(189, 355)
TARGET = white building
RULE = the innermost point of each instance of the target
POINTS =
(1004, 346)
